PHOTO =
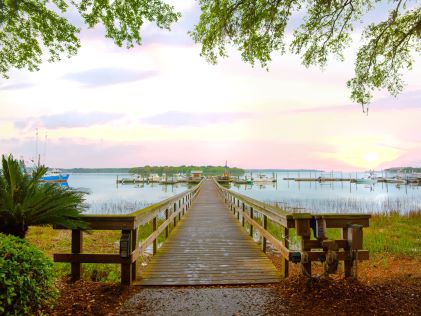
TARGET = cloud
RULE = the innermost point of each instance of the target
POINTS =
(406, 100)
(108, 76)
(78, 152)
(68, 120)
(17, 86)
(178, 119)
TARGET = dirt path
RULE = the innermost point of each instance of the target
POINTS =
(203, 301)
(388, 286)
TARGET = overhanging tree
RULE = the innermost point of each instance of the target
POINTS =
(29, 28)
(257, 28)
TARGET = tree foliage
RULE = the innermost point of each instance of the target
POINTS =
(31, 28)
(170, 170)
(257, 28)
(25, 201)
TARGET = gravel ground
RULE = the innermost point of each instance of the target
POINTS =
(202, 301)
(391, 287)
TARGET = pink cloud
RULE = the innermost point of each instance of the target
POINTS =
(255, 154)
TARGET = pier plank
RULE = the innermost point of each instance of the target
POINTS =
(209, 247)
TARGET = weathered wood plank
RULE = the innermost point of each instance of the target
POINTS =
(209, 247)
(89, 258)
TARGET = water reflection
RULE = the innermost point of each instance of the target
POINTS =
(337, 197)
(108, 197)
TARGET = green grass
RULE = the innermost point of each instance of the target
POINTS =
(388, 234)
(52, 241)
(392, 233)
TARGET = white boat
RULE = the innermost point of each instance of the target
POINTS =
(55, 175)
(262, 178)
(179, 177)
(154, 177)
(365, 181)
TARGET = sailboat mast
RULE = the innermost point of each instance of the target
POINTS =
(37, 157)
(45, 150)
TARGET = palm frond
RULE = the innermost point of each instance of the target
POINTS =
(25, 201)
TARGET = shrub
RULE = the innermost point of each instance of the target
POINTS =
(26, 201)
(26, 278)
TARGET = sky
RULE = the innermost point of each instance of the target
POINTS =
(163, 104)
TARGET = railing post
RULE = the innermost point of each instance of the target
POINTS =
(302, 227)
(155, 242)
(233, 205)
(347, 263)
(242, 215)
(175, 217)
(183, 206)
(285, 262)
(135, 244)
(265, 226)
(251, 226)
(166, 228)
(77, 246)
(126, 268)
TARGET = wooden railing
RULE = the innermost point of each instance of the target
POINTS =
(172, 209)
(258, 215)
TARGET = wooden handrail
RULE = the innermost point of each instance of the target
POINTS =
(311, 249)
(281, 217)
(287, 219)
(242, 206)
(173, 208)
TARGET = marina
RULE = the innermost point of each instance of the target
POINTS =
(212, 241)
(108, 197)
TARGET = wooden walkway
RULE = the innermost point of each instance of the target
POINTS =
(209, 247)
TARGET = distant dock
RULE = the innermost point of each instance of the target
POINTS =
(167, 181)
(131, 180)
(319, 179)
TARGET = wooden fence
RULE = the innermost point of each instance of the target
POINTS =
(258, 215)
(172, 209)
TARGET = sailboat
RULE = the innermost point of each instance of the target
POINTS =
(52, 175)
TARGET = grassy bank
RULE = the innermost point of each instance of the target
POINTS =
(392, 233)
(388, 234)
(52, 241)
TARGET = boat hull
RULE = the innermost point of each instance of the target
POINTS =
(364, 181)
(55, 178)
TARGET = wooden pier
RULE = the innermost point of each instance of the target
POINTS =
(210, 237)
(209, 247)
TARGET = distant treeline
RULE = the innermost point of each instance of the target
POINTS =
(97, 170)
(404, 169)
(207, 170)
(284, 170)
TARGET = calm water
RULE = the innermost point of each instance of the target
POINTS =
(339, 197)
(106, 197)
(334, 197)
